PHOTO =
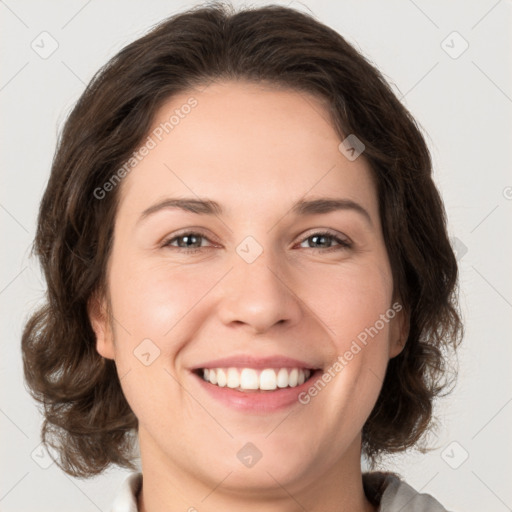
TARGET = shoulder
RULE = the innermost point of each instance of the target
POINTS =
(393, 494)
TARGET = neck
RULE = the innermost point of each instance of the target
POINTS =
(169, 487)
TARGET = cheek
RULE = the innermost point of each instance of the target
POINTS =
(350, 300)
(152, 306)
(356, 307)
(151, 301)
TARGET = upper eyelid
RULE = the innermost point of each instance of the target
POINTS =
(314, 231)
(189, 231)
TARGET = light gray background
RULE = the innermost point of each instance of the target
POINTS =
(465, 106)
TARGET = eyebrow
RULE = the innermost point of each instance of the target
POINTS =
(321, 205)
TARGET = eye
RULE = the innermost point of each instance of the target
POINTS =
(323, 238)
(190, 242)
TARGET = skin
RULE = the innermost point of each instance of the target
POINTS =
(256, 150)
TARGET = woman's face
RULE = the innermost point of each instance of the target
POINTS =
(253, 284)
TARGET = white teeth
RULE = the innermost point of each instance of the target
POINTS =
(233, 378)
(221, 377)
(249, 379)
(282, 378)
(266, 379)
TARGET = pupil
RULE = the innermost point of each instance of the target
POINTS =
(188, 239)
(316, 238)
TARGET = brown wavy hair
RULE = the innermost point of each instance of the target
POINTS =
(87, 419)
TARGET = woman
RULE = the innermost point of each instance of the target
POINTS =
(190, 310)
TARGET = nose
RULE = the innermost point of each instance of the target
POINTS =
(259, 294)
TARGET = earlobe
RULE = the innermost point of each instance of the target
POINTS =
(396, 347)
(98, 317)
(399, 333)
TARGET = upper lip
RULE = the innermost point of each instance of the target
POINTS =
(248, 361)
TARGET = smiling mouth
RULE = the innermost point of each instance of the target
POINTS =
(255, 380)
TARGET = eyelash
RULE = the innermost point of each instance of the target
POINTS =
(343, 244)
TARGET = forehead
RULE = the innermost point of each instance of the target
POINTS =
(245, 145)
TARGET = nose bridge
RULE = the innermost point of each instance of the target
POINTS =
(257, 292)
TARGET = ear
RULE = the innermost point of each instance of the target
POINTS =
(100, 323)
(399, 329)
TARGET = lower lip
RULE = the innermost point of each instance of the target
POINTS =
(258, 401)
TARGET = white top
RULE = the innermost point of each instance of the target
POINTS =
(393, 494)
